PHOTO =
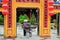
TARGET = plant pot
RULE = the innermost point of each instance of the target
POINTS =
(33, 26)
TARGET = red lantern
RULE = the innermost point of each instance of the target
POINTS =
(5, 6)
(5, 1)
(51, 13)
(51, 8)
(4, 12)
(51, 2)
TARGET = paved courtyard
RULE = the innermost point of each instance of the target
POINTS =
(34, 35)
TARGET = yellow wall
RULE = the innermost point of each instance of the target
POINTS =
(15, 5)
(56, 11)
(42, 31)
(0, 9)
(5, 26)
(40, 5)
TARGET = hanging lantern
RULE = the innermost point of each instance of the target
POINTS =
(51, 13)
(5, 6)
(5, 1)
(51, 2)
(4, 12)
(51, 8)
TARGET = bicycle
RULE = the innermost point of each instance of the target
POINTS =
(28, 33)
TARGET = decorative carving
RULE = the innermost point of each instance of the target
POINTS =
(45, 31)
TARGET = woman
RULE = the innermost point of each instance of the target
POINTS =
(26, 25)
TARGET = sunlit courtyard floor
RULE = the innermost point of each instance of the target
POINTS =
(34, 35)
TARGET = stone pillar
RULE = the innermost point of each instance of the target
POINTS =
(58, 23)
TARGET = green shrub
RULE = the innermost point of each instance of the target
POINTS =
(33, 19)
(25, 17)
(22, 18)
(1, 19)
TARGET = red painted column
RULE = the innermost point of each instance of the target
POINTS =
(45, 13)
(10, 14)
(9, 22)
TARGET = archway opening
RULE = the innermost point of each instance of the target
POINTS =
(32, 14)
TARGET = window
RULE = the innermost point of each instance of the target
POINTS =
(0, 0)
(27, 0)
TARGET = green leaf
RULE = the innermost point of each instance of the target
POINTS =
(22, 18)
(33, 19)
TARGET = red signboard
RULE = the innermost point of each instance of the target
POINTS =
(27, 0)
(10, 14)
(45, 13)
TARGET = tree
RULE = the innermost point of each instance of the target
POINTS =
(1, 19)
(26, 17)
(22, 18)
(33, 19)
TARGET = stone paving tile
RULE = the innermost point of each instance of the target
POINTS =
(34, 37)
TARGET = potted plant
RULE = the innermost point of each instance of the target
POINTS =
(33, 21)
